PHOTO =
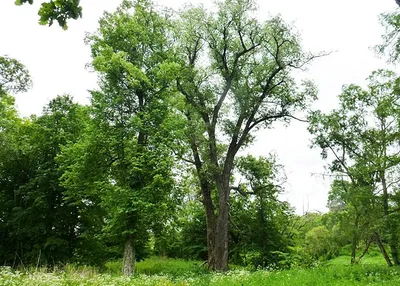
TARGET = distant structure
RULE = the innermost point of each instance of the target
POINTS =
(398, 2)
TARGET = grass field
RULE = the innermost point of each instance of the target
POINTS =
(158, 271)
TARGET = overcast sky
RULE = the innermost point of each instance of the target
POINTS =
(56, 60)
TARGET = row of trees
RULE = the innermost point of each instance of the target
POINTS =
(180, 94)
(177, 92)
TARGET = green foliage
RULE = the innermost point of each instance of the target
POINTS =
(390, 39)
(361, 138)
(14, 77)
(181, 94)
(121, 172)
(235, 78)
(57, 10)
(260, 223)
(37, 223)
(160, 266)
(373, 258)
(193, 233)
(320, 243)
(333, 275)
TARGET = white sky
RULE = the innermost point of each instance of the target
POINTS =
(56, 60)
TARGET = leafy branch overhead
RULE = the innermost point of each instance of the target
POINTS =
(57, 10)
(14, 77)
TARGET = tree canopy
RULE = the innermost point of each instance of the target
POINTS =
(157, 162)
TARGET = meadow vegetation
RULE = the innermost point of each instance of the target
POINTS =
(164, 272)
(146, 184)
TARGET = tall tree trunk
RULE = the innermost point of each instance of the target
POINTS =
(211, 224)
(129, 261)
(382, 249)
(222, 235)
(217, 230)
(217, 225)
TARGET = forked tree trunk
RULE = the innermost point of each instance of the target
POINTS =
(128, 267)
(217, 222)
(382, 249)
(365, 250)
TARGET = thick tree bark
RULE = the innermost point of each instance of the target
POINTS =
(222, 233)
(211, 224)
(382, 249)
(217, 226)
(128, 267)
(217, 230)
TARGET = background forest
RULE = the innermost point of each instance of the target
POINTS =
(156, 164)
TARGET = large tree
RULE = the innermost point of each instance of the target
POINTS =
(127, 142)
(235, 79)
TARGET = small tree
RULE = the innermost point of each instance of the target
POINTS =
(362, 136)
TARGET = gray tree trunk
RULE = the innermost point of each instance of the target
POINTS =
(129, 261)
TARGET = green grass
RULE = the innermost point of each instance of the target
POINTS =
(166, 272)
(373, 258)
(160, 266)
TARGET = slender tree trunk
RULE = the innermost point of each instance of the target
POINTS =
(393, 239)
(129, 261)
(365, 250)
(353, 249)
(393, 242)
(355, 241)
(382, 249)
